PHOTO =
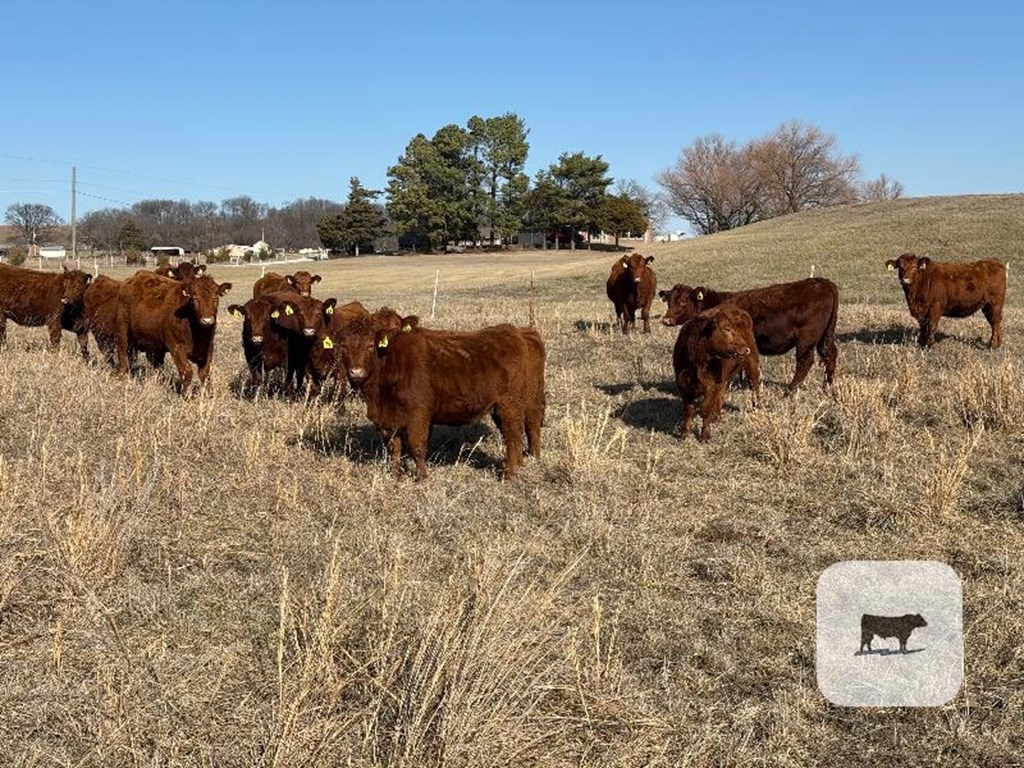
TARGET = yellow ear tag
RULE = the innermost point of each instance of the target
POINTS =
(383, 342)
(890, 267)
(328, 344)
(236, 313)
(700, 295)
(288, 310)
(275, 313)
(406, 328)
(330, 310)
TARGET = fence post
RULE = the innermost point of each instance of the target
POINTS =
(812, 270)
(433, 304)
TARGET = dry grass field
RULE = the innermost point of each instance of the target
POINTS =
(230, 582)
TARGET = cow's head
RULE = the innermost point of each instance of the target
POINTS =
(187, 271)
(909, 266)
(256, 314)
(203, 294)
(635, 266)
(73, 283)
(723, 334)
(303, 282)
(366, 340)
(917, 620)
(298, 314)
(681, 304)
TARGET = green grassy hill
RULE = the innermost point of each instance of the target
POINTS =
(850, 245)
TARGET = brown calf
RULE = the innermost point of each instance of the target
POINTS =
(935, 289)
(711, 348)
(300, 282)
(282, 329)
(413, 379)
(799, 315)
(631, 286)
(100, 314)
(158, 315)
(32, 298)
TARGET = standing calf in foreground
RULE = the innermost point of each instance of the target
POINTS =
(934, 290)
(631, 286)
(411, 380)
(899, 627)
(711, 349)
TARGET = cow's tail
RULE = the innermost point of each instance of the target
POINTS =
(533, 316)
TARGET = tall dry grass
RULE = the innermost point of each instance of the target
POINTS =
(231, 582)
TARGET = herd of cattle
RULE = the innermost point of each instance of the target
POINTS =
(411, 377)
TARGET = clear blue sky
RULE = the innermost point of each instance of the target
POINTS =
(281, 101)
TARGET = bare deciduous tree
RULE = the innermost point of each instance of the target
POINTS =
(33, 220)
(712, 185)
(882, 188)
(799, 166)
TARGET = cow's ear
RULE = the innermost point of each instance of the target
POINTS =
(663, 295)
(410, 322)
(201, 269)
(172, 273)
(382, 341)
(890, 264)
(329, 305)
(291, 280)
(648, 259)
(237, 310)
(88, 278)
(314, 279)
(289, 308)
(64, 267)
(698, 294)
(223, 288)
(923, 262)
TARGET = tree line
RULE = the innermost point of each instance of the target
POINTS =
(468, 184)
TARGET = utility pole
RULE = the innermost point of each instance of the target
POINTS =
(74, 223)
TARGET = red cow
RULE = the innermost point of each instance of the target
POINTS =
(711, 349)
(32, 298)
(936, 289)
(158, 315)
(184, 272)
(801, 315)
(413, 379)
(631, 286)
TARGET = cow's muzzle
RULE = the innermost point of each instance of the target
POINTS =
(207, 320)
(356, 376)
(309, 331)
(257, 339)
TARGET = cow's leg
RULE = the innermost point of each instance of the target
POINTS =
(994, 315)
(205, 366)
(156, 359)
(3, 329)
(512, 433)
(393, 441)
(689, 409)
(534, 420)
(124, 357)
(829, 353)
(804, 361)
(645, 315)
(752, 368)
(710, 411)
(630, 319)
(933, 324)
(53, 326)
(83, 344)
(417, 434)
(184, 366)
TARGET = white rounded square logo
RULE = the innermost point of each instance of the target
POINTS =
(889, 633)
